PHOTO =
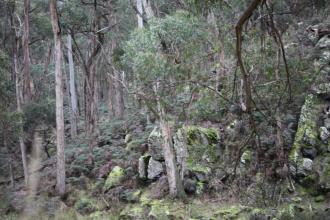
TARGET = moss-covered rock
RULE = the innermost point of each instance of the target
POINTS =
(131, 196)
(114, 178)
(143, 166)
(196, 148)
(307, 133)
(155, 143)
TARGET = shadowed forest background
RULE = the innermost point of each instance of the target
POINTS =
(165, 109)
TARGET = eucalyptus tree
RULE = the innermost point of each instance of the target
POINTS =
(60, 157)
(26, 53)
(167, 58)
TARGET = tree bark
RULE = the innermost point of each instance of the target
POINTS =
(174, 181)
(148, 9)
(111, 95)
(73, 95)
(19, 98)
(140, 13)
(60, 168)
(26, 54)
(119, 107)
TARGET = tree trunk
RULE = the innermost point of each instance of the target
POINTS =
(174, 181)
(140, 13)
(148, 8)
(119, 108)
(111, 96)
(60, 168)
(279, 125)
(73, 96)
(11, 173)
(26, 54)
(239, 27)
(19, 98)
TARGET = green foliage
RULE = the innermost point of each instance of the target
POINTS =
(39, 113)
(85, 206)
(151, 52)
(73, 15)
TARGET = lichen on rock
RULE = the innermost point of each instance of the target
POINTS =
(115, 177)
(307, 133)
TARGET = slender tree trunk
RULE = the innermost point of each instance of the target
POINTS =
(60, 168)
(26, 54)
(174, 181)
(73, 96)
(111, 95)
(140, 13)
(279, 125)
(11, 173)
(239, 27)
(119, 108)
(19, 98)
(47, 59)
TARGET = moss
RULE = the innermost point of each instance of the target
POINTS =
(159, 210)
(200, 187)
(194, 134)
(310, 180)
(246, 157)
(196, 167)
(287, 212)
(307, 133)
(85, 205)
(231, 212)
(320, 198)
(201, 147)
(132, 212)
(115, 177)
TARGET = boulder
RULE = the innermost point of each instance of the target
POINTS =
(327, 123)
(324, 133)
(143, 166)
(189, 186)
(309, 152)
(307, 164)
(159, 189)
(115, 177)
(155, 143)
(196, 148)
(155, 169)
(307, 132)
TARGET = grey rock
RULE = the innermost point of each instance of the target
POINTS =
(309, 152)
(160, 188)
(324, 133)
(201, 177)
(189, 186)
(327, 123)
(143, 166)
(155, 169)
(155, 143)
(307, 164)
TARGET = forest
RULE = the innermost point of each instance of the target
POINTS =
(165, 109)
